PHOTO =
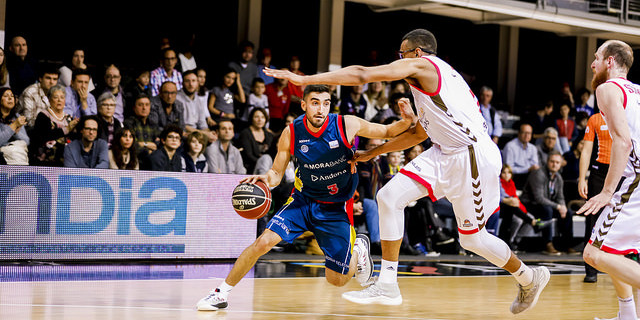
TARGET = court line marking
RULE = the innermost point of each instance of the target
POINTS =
(219, 311)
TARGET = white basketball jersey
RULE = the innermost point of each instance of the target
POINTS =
(631, 93)
(451, 116)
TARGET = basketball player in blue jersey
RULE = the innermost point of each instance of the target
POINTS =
(464, 165)
(322, 200)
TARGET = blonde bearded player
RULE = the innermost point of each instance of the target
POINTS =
(617, 230)
(464, 165)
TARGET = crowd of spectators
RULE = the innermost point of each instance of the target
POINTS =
(169, 119)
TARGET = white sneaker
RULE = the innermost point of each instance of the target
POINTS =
(363, 255)
(214, 301)
(528, 296)
(616, 318)
(380, 293)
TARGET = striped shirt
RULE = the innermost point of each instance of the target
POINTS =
(159, 76)
(597, 127)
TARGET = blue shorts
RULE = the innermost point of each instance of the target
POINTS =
(331, 223)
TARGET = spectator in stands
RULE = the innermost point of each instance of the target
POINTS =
(34, 99)
(296, 91)
(222, 156)
(354, 103)
(166, 72)
(166, 158)
(583, 104)
(543, 194)
(186, 59)
(398, 86)
(203, 94)
(88, 151)
(370, 180)
(4, 72)
(222, 99)
(22, 69)
(377, 102)
(51, 131)
(279, 96)
(146, 134)
(80, 102)
(193, 159)
(549, 143)
(541, 120)
(13, 136)
(582, 119)
(136, 88)
(521, 155)
(165, 109)
(246, 69)
(393, 112)
(112, 80)
(567, 131)
(571, 171)
(513, 212)
(122, 154)
(195, 109)
(264, 61)
(108, 123)
(257, 98)
(491, 117)
(255, 142)
(76, 63)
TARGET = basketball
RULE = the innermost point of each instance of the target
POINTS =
(251, 201)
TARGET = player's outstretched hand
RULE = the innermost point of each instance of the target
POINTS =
(284, 74)
(255, 178)
(406, 110)
(361, 156)
(593, 205)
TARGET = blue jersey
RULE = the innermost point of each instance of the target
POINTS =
(323, 172)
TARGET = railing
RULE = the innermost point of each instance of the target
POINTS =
(624, 10)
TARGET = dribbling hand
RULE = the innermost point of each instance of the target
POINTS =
(255, 178)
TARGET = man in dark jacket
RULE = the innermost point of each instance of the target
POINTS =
(88, 151)
(166, 158)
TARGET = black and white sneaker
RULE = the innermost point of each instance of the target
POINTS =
(364, 261)
(214, 301)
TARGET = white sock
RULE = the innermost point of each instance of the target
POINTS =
(524, 275)
(627, 308)
(388, 271)
(225, 288)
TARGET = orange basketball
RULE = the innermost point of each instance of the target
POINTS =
(251, 201)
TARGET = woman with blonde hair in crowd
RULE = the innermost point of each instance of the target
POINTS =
(377, 101)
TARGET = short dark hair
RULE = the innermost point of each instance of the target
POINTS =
(47, 68)
(84, 119)
(142, 96)
(79, 72)
(163, 51)
(168, 129)
(257, 80)
(318, 88)
(188, 72)
(423, 39)
(554, 153)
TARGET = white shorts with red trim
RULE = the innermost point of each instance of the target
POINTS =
(468, 178)
(617, 230)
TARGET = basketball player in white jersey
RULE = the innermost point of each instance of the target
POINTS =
(617, 231)
(464, 165)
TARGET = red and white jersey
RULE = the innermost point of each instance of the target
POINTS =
(631, 92)
(451, 115)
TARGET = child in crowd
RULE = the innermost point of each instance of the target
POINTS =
(257, 98)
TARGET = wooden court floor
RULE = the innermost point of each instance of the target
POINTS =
(566, 297)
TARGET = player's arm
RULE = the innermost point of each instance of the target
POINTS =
(273, 177)
(416, 68)
(407, 139)
(585, 158)
(611, 101)
(357, 126)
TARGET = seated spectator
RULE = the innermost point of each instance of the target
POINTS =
(393, 112)
(245, 68)
(21, 67)
(370, 180)
(193, 159)
(582, 119)
(13, 136)
(109, 124)
(222, 98)
(112, 85)
(135, 89)
(513, 212)
(583, 104)
(279, 97)
(377, 102)
(257, 98)
(166, 109)
(166, 72)
(567, 131)
(195, 109)
(34, 99)
(543, 194)
(79, 101)
(255, 142)
(122, 154)
(264, 61)
(88, 151)
(549, 143)
(4, 72)
(146, 134)
(540, 120)
(354, 103)
(76, 63)
(166, 158)
(222, 156)
(521, 155)
(51, 131)
(571, 171)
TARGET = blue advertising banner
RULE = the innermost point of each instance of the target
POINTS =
(67, 213)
